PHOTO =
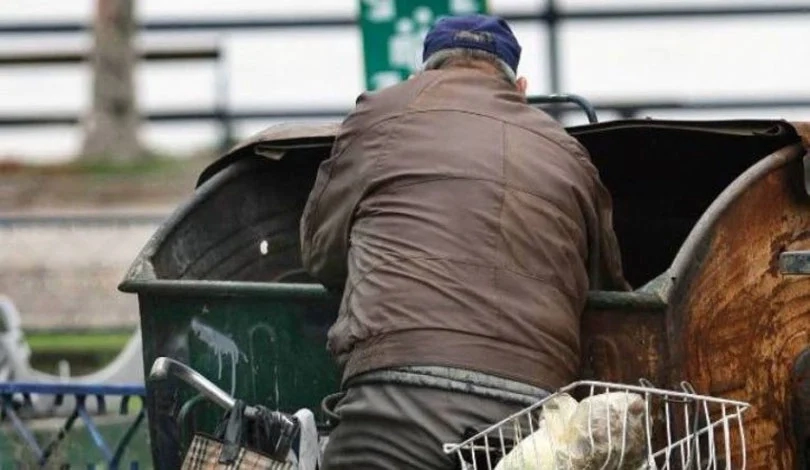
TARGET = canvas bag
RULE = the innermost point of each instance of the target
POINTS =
(241, 444)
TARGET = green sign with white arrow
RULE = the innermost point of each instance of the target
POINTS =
(394, 30)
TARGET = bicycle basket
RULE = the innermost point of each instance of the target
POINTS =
(600, 425)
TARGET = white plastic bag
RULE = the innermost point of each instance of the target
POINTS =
(584, 436)
(538, 450)
(608, 428)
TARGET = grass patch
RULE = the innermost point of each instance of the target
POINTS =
(77, 342)
(149, 163)
(85, 351)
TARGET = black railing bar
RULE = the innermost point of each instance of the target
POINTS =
(185, 25)
(124, 441)
(345, 21)
(602, 105)
(9, 120)
(552, 19)
(57, 57)
(662, 13)
(249, 114)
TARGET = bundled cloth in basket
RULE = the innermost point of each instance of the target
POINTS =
(269, 441)
(606, 431)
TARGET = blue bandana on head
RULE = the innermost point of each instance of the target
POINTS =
(482, 32)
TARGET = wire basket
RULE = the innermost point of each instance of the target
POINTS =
(598, 425)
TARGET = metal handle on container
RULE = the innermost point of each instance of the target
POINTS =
(794, 262)
(586, 105)
(165, 367)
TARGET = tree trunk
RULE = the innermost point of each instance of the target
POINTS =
(111, 129)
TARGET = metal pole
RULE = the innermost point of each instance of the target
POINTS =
(221, 97)
(552, 21)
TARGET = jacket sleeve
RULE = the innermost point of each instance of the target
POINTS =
(605, 256)
(327, 217)
(611, 276)
(324, 226)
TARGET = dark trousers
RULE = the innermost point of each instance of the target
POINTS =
(394, 426)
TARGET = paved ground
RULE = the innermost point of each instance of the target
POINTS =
(66, 276)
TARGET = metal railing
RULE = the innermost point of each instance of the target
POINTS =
(163, 54)
(20, 403)
(18, 58)
(551, 12)
(551, 15)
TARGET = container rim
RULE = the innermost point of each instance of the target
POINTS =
(597, 300)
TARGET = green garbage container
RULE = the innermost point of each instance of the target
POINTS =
(220, 289)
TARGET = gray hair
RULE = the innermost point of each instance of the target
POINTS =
(463, 56)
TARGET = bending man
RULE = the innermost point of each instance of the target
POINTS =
(465, 228)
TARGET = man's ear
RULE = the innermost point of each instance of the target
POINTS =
(522, 85)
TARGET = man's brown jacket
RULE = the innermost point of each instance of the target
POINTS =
(465, 228)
